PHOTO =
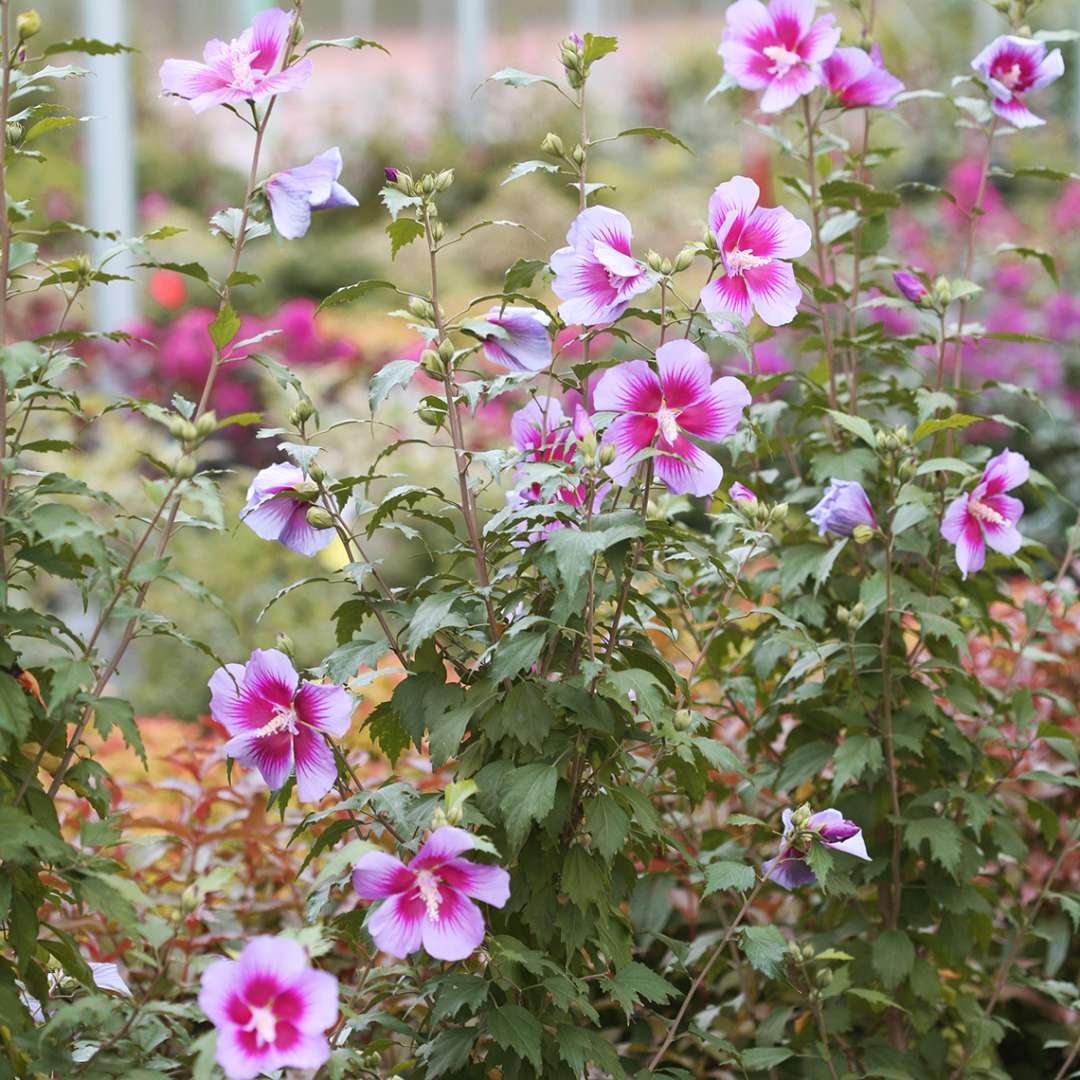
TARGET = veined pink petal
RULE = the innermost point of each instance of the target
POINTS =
(748, 20)
(531, 425)
(791, 18)
(773, 292)
(290, 205)
(238, 1056)
(396, 926)
(775, 232)
(378, 875)
(632, 386)
(789, 869)
(1005, 471)
(685, 374)
(219, 985)
(228, 706)
(820, 40)
(728, 295)
(303, 538)
(325, 707)
(785, 90)
(629, 433)
(316, 769)
(718, 413)
(1015, 112)
(731, 204)
(270, 674)
(306, 1051)
(491, 884)
(600, 224)
(188, 78)
(269, 37)
(317, 994)
(1003, 536)
(445, 843)
(272, 755)
(747, 66)
(459, 930)
(955, 519)
(292, 78)
(615, 261)
(1051, 68)
(688, 470)
(279, 958)
(970, 548)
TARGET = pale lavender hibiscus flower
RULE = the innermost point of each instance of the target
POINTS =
(276, 510)
(754, 242)
(986, 515)
(662, 408)
(843, 507)
(595, 274)
(429, 902)
(294, 193)
(275, 720)
(741, 493)
(801, 829)
(778, 49)
(857, 78)
(526, 346)
(1010, 67)
(270, 1008)
(242, 70)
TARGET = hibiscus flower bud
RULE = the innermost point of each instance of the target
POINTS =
(431, 417)
(653, 260)
(13, 132)
(588, 445)
(285, 644)
(824, 977)
(420, 307)
(666, 266)
(910, 286)
(444, 179)
(577, 155)
(318, 518)
(843, 616)
(427, 184)
(446, 350)
(908, 470)
(432, 363)
(184, 469)
(808, 952)
(438, 231)
(801, 816)
(206, 424)
(778, 513)
(552, 144)
(794, 950)
(306, 490)
(317, 473)
(862, 534)
(607, 454)
(27, 24)
(302, 411)
(858, 612)
(942, 290)
(439, 818)
(684, 259)
(391, 174)
(683, 720)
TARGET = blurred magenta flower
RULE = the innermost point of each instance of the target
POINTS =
(661, 408)
(778, 49)
(754, 242)
(1011, 66)
(275, 720)
(843, 507)
(830, 827)
(595, 274)
(910, 286)
(741, 493)
(242, 70)
(858, 78)
(430, 901)
(986, 515)
(295, 193)
(542, 431)
(526, 346)
(270, 1009)
(390, 174)
(275, 510)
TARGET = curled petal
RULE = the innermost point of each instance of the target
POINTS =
(316, 769)
(629, 387)
(1005, 471)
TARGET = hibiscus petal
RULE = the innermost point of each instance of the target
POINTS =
(685, 373)
(791, 17)
(1052, 67)
(217, 988)
(188, 78)
(532, 424)
(290, 205)
(1005, 471)
(303, 538)
(270, 518)
(458, 931)
(292, 78)
(776, 232)
(444, 844)
(774, 292)
(718, 414)
(728, 295)
(272, 755)
(488, 883)
(731, 202)
(955, 519)
(228, 706)
(527, 348)
(269, 36)
(378, 875)
(239, 1057)
(692, 472)
(744, 64)
(970, 548)
(316, 769)
(396, 926)
(1005, 537)
(784, 91)
(1015, 112)
(270, 674)
(789, 870)
(318, 992)
(821, 39)
(615, 261)
(279, 958)
(629, 387)
(747, 20)
(629, 434)
(600, 224)
(853, 845)
(308, 1051)
(325, 707)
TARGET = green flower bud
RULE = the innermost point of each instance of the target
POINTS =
(444, 179)
(607, 454)
(858, 612)
(908, 470)
(318, 518)
(306, 491)
(808, 952)
(961, 603)
(317, 473)
(431, 417)
(552, 145)
(302, 411)
(862, 534)
(666, 266)
(177, 427)
(184, 468)
(446, 350)
(420, 307)
(684, 259)
(824, 977)
(683, 720)
(439, 818)
(188, 432)
(653, 260)
(206, 424)
(588, 445)
(843, 616)
(427, 184)
(881, 440)
(438, 231)
(285, 644)
(801, 816)
(14, 133)
(778, 513)
(794, 951)
(432, 363)
(27, 24)
(577, 155)
(901, 433)
(943, 290)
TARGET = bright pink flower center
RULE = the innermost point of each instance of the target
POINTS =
(739, 261)
(783, 60)
(285, 719)
(1009, 77)
(243, 76)
(428, 885)
(981, 512)
(667, 421)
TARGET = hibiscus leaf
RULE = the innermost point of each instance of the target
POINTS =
(348, 293)
(402, 232)
(597, 47)
(728, 875)
(527, 795)
(765, 948)
(389, 377)
(345, 43)
(945, 423)
(893, 956)
(523, 168)
(656, 133)
(515, 1028)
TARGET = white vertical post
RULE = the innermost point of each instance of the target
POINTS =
(471, 36)
(1076, 82)
(357, 17)
(110, 155)
(586, 16)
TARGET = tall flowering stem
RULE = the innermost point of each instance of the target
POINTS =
(5, 263)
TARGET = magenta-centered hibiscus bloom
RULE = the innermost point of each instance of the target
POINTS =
(270, 1009)
(428, 902)
(778, 49)
(595, 274)
(525, 346)
(242, 70)
(801, 829)
(275, 719)
(661, 408)
(986, 515)
(275, 510)
(1011, 66)
(295, 193)
(754, 242)
(858, 78)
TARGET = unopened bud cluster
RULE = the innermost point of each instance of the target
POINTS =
(191, 434)
(761, 515)
(852, 616)
(892, 439)
(572, 58)
(301, 413)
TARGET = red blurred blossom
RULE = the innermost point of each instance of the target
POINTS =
(167, 288)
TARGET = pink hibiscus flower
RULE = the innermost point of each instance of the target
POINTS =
(858, 78)
(428, 902)
(525, 346)
(270, 1009)
(242, 70)
(275, 720)
(754, 242)
(294, 193)
(778, 49)
(276, 510)
(661, 408)
(828, 827)
(986, 515)
(1011, 66)
(595, 274)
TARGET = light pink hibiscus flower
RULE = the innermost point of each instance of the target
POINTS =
(428, 902)
(294, 193)
(986, 515)
(526, 345)
(1011, 66)
(242, 70)
(661, 408)
(270, 1008)
(276, 510)
(595, 274)
(801, 829)
(778, 49)
(754, 242)
(275, 719)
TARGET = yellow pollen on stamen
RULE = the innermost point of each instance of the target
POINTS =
(783, 59)
(738, 261)
(264, 1023)
(428, 885)
(981, 512)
